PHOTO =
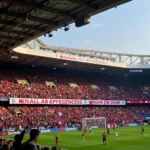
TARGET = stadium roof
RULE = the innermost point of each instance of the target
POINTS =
(24, 20)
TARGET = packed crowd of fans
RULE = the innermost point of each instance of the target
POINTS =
(37, 88)
(51, 117)
(6, 144)
(140, 110)
(106, 88)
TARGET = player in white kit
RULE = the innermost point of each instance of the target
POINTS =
(116, 134)
(90, 130)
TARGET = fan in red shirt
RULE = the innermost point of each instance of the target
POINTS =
(108, 131)
(104, 138)
(143, 130)
(56, 137)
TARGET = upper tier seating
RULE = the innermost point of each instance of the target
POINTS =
(37, 88)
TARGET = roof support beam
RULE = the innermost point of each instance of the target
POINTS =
(6, 45)
(34, 28)
(9, 23)
(10, 38)
(16, 32)
(41, 7)
(82, 2)
(2, 47)
(26, 17)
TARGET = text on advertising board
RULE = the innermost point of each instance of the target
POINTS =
(65, 101)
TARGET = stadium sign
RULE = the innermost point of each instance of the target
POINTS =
(106, 102)
(85, 59)
(65, 101)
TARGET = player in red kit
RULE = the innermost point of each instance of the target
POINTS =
(56, 138)
(113, 127)
(108, 131)
(104, 138)
(85, 129)
(143, 129)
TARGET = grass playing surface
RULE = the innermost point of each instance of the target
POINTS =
(130, 138)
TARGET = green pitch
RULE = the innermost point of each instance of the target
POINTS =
(130, 138)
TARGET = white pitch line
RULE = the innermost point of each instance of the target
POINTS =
(86, 145)
(146, 135)
(67, 145)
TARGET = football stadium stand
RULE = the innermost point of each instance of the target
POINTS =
(55, 117)
(68, 85)
(58, 84)
(52, 98)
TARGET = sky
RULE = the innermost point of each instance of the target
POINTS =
(124, 29)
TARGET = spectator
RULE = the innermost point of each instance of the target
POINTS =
(1, 144)
(38, 147)
(29, 145)
(7, 146)
(54, 148)
(46, 148)
(18, 139)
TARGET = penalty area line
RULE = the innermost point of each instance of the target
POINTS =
(87, 145)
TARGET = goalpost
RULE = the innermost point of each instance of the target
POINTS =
(94, 122)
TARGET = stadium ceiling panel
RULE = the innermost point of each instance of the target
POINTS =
(24, 20)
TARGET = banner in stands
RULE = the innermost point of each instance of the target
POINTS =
(65, 101)
(138, 102)
(4, 99)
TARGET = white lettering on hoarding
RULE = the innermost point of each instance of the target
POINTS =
(64, 101)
